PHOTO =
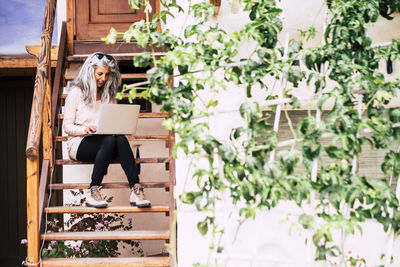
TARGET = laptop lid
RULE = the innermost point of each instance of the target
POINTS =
(118, 119)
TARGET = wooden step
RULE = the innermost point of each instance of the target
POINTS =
(146, 115)
(129, 137)
(140, 160)
(124, 76)
(106, 262)
(109, 235)
(125, 96)
(120, 185)
(118, 56)
(121, 209)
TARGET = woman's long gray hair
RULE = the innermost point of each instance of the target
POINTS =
(87, 82)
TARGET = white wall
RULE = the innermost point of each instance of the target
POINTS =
(266, 241)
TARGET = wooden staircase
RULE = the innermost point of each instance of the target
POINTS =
(52, 146)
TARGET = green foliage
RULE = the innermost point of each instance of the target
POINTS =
(240, 166)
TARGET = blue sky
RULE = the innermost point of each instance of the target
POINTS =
(21, 23)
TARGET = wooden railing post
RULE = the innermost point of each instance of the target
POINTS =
(32, 184)
(47, 121)
(40, 100)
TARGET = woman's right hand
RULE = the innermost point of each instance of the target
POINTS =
(90, 129)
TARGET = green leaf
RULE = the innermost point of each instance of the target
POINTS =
(338, 153)
(203, 227)
(227, 152)
(111, 38)
(183, 69)
(307, 221)
(143, 60)
(189, 197)
(394, 115)
(135, 4)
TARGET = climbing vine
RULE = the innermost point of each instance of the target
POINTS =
(340, 197)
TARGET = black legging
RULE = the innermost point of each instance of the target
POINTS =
(101, 150)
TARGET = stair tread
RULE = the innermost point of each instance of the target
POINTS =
(118, 56)
(108, 235)
(105, 262)
(138, 160)
(124, 76)
(112, 209)
(115, 185)
(141, 115)
(129, 137)
(125, 96)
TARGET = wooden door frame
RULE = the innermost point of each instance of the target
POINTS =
(71, 24)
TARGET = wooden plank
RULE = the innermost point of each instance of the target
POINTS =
(71, 29)
(147, 115)
(118, 56)
(34, 51)
(116, 185)
(122, 209)
(124, 76)
(20, 62)
(129, 137)
(141, 160)
(125, 96)
(95, 18)
(84, 47)
(47, 127)
(107, 262)
(109, 235)
(32, 188)
(60, 70)
(27, 111)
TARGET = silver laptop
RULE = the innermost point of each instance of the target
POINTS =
(118, 119)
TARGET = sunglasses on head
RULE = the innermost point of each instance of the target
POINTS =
(101, 55)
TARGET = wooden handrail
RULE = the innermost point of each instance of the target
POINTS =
(42, 85)
(43, 76)
(58, 77)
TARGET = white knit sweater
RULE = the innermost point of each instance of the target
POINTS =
(77, 116)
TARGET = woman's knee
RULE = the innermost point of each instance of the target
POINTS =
(109, 141)
(121, 139)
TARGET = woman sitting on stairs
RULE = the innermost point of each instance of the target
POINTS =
(97, 83)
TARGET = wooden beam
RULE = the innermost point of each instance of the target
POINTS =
(116, 185)
(115, 209)
(32, 189)
(107, 262)
(109, 235)
(124, 76)
(140, 160)
(34, 51)
(71, 29)
(20, 61)
(129, 137)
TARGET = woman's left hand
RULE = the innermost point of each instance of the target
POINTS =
(90, 129)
